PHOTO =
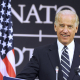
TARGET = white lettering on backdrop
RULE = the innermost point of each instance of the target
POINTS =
(34, 12)
(21, 54)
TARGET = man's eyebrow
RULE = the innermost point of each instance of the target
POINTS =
(61, 24)
(70, 25)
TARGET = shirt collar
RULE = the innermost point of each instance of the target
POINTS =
(70, 46)
(60, 45)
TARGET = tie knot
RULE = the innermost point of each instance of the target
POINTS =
(65, 47)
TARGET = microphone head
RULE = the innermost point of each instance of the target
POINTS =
(77, 71)
(57, 69)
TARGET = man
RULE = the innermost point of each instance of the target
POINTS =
(46, 58)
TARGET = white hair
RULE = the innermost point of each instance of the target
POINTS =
(67, 12)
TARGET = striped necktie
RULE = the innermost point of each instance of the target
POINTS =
(65, 63)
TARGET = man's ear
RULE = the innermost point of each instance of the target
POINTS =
(76, 29)
(55, 27)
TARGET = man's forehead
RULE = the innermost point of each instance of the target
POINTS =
(67, 17)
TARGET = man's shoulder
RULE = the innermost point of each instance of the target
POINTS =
(76, 42)
(47, 46)
(77, 47)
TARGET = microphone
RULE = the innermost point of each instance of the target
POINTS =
(57, 69)
(77, 70)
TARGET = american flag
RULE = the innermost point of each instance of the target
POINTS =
(7, 56)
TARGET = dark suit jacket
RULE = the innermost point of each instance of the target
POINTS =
(44, 61)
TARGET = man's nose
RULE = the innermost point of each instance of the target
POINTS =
(65, 29)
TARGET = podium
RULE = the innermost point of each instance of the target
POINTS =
(10, 78)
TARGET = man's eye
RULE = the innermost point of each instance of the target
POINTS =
(61, 25)
(70, 26)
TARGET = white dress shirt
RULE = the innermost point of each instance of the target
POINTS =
(71, 48)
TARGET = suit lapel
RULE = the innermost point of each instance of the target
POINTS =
(54, 58)
(75, 62)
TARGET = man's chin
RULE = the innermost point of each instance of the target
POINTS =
(65, 43)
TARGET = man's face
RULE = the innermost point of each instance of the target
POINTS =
(66, 28)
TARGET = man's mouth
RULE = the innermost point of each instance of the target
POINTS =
(65, 35)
